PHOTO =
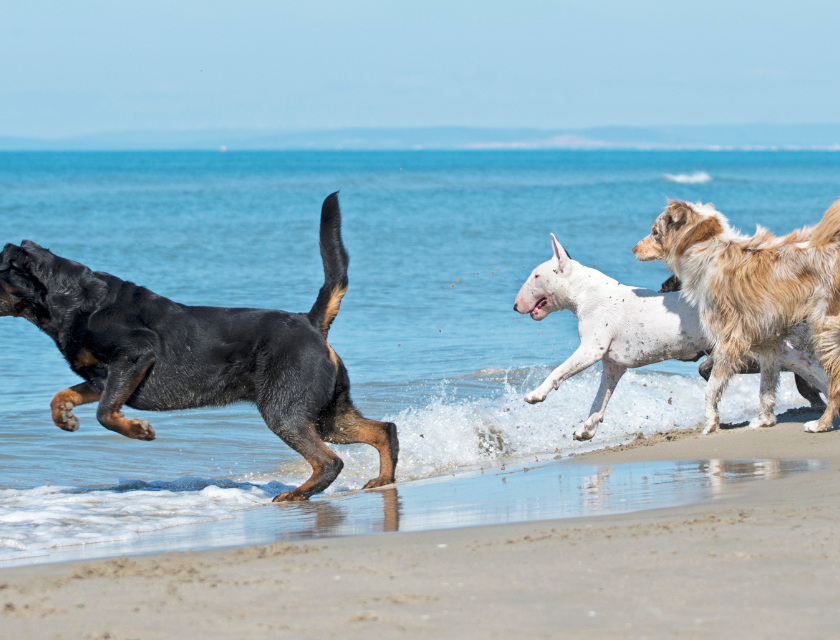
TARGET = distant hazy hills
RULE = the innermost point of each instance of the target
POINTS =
(755, 136)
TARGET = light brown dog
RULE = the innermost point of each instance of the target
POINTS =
(750, 292)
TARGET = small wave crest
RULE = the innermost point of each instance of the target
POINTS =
(186, 484)
(698, 177)
(32, 521)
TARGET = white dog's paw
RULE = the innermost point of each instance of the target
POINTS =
(762, 421)
(711, 427)
(813, 426)
(587, 430)
(537, 395)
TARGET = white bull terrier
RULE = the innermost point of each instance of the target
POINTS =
(624, 328)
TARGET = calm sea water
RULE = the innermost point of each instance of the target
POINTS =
(439, 242)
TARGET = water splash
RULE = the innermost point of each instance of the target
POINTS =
(448, 434)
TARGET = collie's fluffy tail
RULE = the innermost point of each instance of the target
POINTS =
(335, 259)
(828, 229)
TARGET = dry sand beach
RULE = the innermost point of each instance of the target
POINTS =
(759, 562)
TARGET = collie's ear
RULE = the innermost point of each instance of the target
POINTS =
(560, 254)
(677, 213)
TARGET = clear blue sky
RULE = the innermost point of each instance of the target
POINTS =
(79, 67)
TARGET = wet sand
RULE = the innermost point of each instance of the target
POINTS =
(759, 561)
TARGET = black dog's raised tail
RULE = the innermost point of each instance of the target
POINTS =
(335, 259)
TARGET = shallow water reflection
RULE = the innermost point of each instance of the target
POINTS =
(522, 493)
(506, 494)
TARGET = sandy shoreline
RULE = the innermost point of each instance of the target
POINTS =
(756, 563)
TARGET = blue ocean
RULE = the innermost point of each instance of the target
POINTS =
(439, 244)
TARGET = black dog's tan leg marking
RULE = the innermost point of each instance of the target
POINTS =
(326, 465)
(86, 359)
(350, 427)
(123, 380)
(64, 402)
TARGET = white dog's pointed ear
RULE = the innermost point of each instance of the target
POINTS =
(560, 254)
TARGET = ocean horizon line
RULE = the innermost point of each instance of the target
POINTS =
(750, 137)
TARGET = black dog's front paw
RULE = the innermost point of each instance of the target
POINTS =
(64, 418)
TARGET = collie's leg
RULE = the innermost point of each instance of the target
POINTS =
(828, 348)
(769, 362)
(609, 379)
(722, 372)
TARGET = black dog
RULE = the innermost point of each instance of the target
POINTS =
(142, 350)
(750, 364)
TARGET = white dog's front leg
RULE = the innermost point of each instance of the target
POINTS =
(582, 358)
(609, 379)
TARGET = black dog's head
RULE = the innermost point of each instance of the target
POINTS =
(24, 270)
(42, 287)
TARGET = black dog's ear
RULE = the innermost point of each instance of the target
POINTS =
(35, 251)
(34, 258)
(30, 259)
(6, 256)
(13, 257)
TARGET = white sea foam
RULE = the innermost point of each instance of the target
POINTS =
(439, 437)
(35, 520)
(446, 434)
(698, 177)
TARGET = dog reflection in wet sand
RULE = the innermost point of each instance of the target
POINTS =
(622, 327)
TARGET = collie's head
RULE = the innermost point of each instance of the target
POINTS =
(680, 227)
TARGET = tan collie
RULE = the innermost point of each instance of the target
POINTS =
(751, 291)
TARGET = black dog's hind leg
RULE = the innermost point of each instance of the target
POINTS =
(64, 401)
(349, 427)
(124, 376)
(809, 392)
(302, 436)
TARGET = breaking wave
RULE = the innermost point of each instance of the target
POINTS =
(698, 177)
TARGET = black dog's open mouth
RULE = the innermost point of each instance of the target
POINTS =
(539, 305)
